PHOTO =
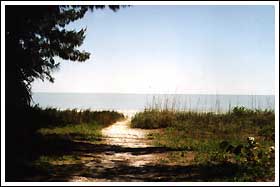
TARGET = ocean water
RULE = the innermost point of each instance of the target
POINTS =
(131, 103)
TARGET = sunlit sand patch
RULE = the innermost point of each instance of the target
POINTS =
(121, 134)
(85, 179)
(128, 113)
(130, 160)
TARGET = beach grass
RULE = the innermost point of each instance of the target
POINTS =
(201, 133)
(55, 117)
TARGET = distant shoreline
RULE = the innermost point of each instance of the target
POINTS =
(136, 102)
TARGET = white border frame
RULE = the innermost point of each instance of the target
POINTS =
(276, 6)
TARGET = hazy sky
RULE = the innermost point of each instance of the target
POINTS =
(173, 49)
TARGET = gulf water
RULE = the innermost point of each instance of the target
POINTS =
(138, 102)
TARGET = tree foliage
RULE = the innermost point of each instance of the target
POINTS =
(35, 35)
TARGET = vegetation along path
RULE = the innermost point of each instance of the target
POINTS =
(127, 155)
(121, 154)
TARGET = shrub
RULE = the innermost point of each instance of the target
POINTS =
(54, 117)
(255, 160)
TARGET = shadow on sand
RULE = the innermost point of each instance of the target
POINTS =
(117, 170)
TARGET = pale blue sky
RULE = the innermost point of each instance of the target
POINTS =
(173, 49)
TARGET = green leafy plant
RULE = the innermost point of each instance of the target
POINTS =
(256, 160)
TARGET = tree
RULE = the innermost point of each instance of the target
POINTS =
(34, 36)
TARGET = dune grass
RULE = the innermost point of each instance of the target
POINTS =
(49, 117)
(76, 125)
(203, 133)
(186, 128)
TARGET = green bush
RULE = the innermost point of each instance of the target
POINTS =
(255, 160)
(54, 117)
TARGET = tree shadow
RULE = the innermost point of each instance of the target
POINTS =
(148, 173)
(60, 145)
(20, 157)
(118, 170)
